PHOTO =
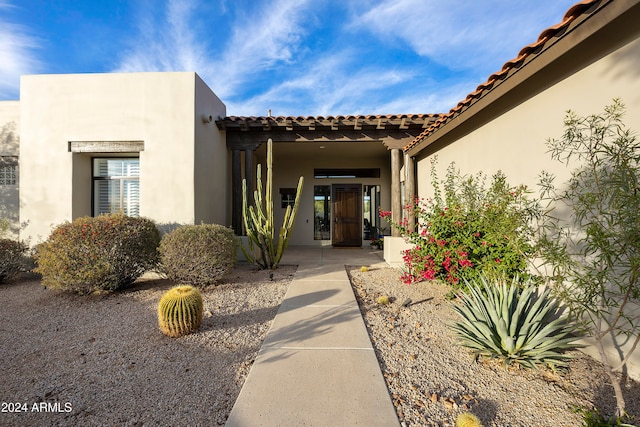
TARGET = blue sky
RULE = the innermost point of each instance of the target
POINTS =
(295, 57)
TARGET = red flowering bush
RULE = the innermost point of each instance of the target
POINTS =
(107, 252)
(467, 230)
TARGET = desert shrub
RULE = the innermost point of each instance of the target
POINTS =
(514, 322)
(13, 258)
(590, 234)
(107, 252)
(468, 229)
(198, 254)
(591, 417)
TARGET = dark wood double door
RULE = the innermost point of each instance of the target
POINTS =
(346, 201)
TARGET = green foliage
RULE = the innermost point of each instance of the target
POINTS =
(593, 418)
(590, 233)
(473, 230)
(467, 419)
(198, 254)
(517, 326)
(4, 226)
(378, 242)
(13, 259)
(180, 311)
(259, 222)
(107, 252)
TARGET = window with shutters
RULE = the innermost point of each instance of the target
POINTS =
(8, 170)
(116, 186)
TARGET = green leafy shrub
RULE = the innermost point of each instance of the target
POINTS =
(473, 230)
(13, 258)
(517, 326)
(107, 252)
(198, 254)
(593, 418)
(590, 233)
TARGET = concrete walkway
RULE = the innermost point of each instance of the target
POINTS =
(316, 366)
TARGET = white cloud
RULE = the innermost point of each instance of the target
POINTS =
(464, 33)
(259, 58)
(166, 43)
(440, 99)
(17, 55)
(335, 84)
(266, 37)
(260, 39)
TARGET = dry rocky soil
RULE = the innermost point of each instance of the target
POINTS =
(431, 379)
(104, 361)
(70, 360)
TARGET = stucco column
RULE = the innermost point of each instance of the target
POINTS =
(236, 192)
(396, 199)
(410, 189)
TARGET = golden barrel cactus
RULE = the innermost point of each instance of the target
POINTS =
(180, 311)
(467, 419)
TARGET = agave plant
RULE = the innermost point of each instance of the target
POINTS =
(514, 322)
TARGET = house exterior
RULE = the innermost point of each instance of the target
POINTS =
(161, 145)
(352, 167)
(143, 143)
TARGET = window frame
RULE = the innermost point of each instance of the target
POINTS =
(120, 178)
(9, 171)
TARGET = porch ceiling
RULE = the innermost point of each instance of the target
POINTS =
(329, 152)
(394, 131)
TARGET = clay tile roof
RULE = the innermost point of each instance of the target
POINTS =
(242, 123)
(525, 53)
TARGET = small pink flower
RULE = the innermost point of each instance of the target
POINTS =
(465, 263)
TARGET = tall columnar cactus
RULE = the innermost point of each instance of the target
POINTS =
(180, 311)
(259, 222)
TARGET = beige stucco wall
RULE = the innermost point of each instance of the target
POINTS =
(9, 146)
(211, 159)
(159, 109)
(514, 142)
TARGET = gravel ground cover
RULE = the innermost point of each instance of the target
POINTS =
(101, 359)
(431, 379)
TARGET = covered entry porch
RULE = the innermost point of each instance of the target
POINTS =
(352, 165)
